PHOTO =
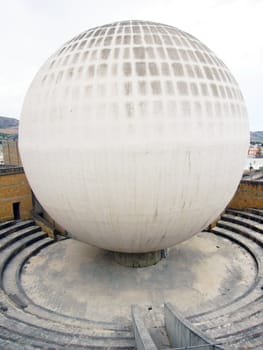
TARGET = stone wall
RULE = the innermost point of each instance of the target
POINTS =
(14, 188)
(10, 153)
(248, 195)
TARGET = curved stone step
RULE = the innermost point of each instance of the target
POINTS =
(27, 319)
(11, 273)
(238, 325)
(255, 211)
(79, 323)
(243, 230)
(243, 221)
(13, 290)
(7, 344)
(6, 224)
(41, 338)
(230, 329)
(253, 293)
(247, 311)
(53, 316)
(88, 328)
(17, 225)
(15, 236)
(15, 337)
(22, 322)
(8, 253)
(245, 214)
(249, 340)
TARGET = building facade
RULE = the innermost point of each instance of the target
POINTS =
(15, 194)
(11, 153)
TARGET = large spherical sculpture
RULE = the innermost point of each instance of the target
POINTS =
(133, 136)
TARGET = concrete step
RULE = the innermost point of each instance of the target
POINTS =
(14, 291)
(15, 236)
(252, 294)
(6, 224)
(14, 310)
(8, 253)
(246, 214)
(7, 344)
(28, 319)
(244, 313)
(257, 347)
(239, 325)
(238, 322)
(243, 230)
(14, 337)
(15, 302)
(17, 225)
(243, 221)
(243, 326)
(255, 211)
(251, 339)
(11, 274)
(41, 338)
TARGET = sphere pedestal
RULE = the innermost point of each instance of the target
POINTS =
(139, 259)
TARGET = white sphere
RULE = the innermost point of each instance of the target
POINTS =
(134, 136)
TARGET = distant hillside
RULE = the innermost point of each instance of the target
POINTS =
(10, 131)
(256, 136)
(8, 128)
(7, 123)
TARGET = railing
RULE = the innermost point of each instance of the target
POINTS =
(182, 334)
(142, 336)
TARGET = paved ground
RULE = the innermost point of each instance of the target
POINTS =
(81, 281)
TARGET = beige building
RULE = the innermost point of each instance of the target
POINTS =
(15, 194)
(10, 153)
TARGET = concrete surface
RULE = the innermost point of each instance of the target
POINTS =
(76, 279)
(138, 259)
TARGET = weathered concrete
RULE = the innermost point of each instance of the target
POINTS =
(182, 333)
(82, 281)
(234, 321)
(138, 259)
(142, 336)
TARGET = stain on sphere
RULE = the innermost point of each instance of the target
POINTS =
(134, 136)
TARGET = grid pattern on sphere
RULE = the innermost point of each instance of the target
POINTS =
(152, 67)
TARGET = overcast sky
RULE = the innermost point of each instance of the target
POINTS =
(31, 30)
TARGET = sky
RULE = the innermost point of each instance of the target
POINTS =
(32, 30)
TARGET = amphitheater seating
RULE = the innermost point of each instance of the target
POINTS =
(239, 325)
(26, 325)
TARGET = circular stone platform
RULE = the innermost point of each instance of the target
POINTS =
(78, 280)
